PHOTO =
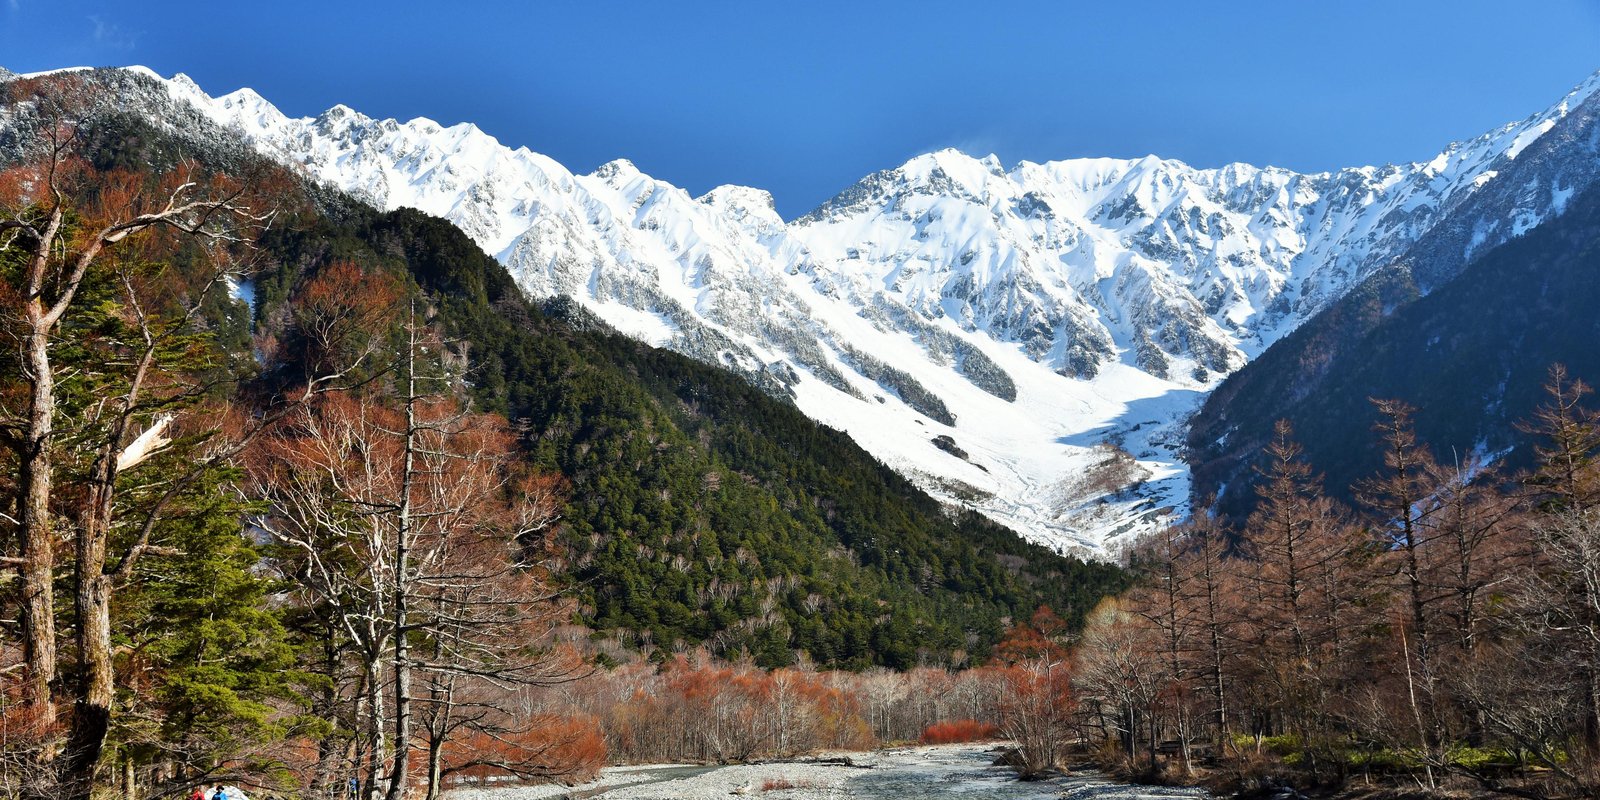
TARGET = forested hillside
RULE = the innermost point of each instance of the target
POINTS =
(701, 509)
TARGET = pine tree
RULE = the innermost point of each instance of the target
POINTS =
(210, 666)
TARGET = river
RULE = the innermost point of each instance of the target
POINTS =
(944, 772)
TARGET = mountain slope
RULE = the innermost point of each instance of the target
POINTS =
(1028, 342)
(1472, 355)
(701, 511)
(704, 511)
(1319, 360)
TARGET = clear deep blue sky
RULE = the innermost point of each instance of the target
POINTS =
(803, 97)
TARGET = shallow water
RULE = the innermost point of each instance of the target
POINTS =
(644, 776)
(965, 774)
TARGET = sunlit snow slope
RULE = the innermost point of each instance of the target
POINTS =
(1028, 341)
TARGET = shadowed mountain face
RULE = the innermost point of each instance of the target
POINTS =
(1472, 355)
(1028, 341)
(1460, 325)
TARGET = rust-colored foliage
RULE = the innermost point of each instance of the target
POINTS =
(569, 748)
(783, 784)
(340, 311)
(1039, 637)
(959, 730)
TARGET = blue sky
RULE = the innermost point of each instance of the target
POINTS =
(802, 98)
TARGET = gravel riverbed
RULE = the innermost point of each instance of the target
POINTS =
(941, 772)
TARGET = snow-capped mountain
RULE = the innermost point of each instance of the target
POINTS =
(1028, 341)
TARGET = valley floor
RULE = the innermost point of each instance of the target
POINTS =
(942, 771)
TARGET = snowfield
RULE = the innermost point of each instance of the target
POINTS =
(1026, 341)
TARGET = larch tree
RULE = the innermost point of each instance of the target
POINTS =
(1567, 436)
(1213, 598)
(1300, 545)
(1162, 598)
(1285, 535)
(1562, 594)
(1401, 500)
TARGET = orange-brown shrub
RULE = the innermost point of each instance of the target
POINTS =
(959, 730)
(780, 784)
(569, 749)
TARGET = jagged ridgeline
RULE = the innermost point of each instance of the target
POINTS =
(702, 510)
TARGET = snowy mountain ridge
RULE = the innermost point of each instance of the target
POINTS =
(1027, 341)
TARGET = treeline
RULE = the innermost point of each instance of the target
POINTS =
(696, 708)
(1444, 632)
